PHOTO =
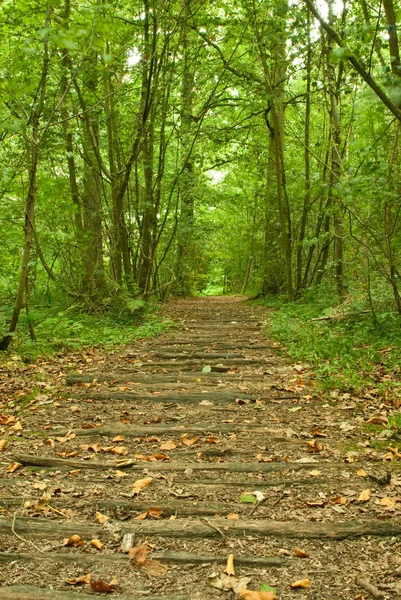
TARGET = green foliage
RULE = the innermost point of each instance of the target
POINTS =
(350, 351)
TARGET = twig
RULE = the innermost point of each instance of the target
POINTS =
(372, 589)
(255, 508)
(21, 538)
(213, 527)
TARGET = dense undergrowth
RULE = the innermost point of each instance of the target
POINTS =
(351, 351)
(69, 327)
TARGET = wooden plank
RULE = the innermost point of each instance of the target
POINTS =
(211, 528)
(28, 592)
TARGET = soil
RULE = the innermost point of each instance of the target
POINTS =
(241, 453)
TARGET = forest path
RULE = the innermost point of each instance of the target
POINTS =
(155, 462)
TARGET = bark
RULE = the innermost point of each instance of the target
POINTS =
(392, 37)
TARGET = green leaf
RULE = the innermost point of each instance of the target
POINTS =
(268, 588)
(207, 369)
(248, 498)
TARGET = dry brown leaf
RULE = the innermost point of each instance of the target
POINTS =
(233, 516)
(264, 459)
(101, 518)
(77, 580)
(141, 484)
(160, 456)
(364, 496)
(254, 595)
(102, 586)
(153, 568)
(300, 553)
(153, 513)
(212, 439)
(119, 450)
(138, 554)
(170, 445)
(230, 569)
(13, 467)
(74, 540)
(361, 473)
(318, 433)
(97, 544)
(302, 583)
(338, 500)
(121, 474)
(315, 473)
(314, 446)
(143, 457)
(3, 444)
(17, 426)
(119, 438)
(315, 503)
(187, 440)
(388, 502)
(377, 420)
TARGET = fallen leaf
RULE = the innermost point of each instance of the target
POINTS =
(361, 473)
(302, 583)
(17, 426)
(230, 569)
(314, 446)
(170, 445)
(254, 595)
(119, 438)
(212, 439)
(102, 586)
(388, 502)
(13, 467)
(300, 553)
(377, 420)
(138, 554)
(338, 500)
(221, 581)
(318, 433)
(141, 484)
(364, 496)
(121, 474)
(187, 440)
(77, 580)
(101, 518)
(153, 568)
(3, 444)
(248, 498)
(74, 540)
(97, 544)
(233, 517)
(315, 473)
(160, 456)
(154, 513)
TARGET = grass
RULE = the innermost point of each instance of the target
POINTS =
(68, 328)
(351, 353)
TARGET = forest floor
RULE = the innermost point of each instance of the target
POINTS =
(140, 471)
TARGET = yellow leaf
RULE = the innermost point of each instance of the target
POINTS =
(154, 513)
(364, 496)
(338, 500)
(170, 445)
(233, 517)
(138, 554)
(121, 474)
(101, 518)
(230, 569)
(388, 502)
(83, 579)
(3, 444)
(187, 440)
(361, 473)
(75, 540)
(119, 438)
(97, 544)
(300, 553)
(302, 583)
(141, 484)
(13, 467)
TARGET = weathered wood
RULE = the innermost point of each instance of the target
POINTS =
(193, 397)
(155, 430)
(28, 592)
(190, 364)
(166, 557)
(193, 528)
(229, 467)
(201, 355)
(153, 378)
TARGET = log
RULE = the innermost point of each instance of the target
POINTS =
(202, 355)
(165, 557)
(155, 430)
(28, 592)
(152, 378)
(229, 467)
(192, 398)
(195, 528)
(193, 364)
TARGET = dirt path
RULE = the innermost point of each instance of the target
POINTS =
(167, 457)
